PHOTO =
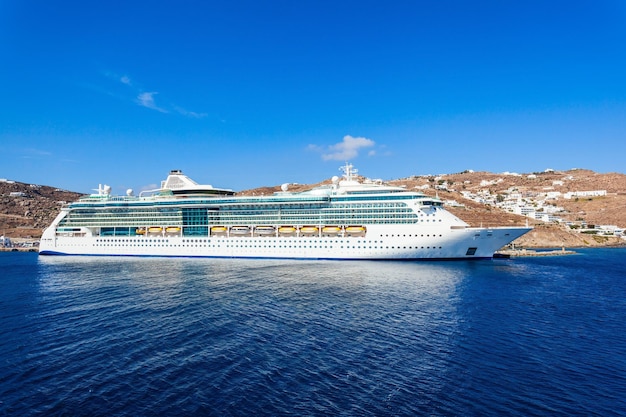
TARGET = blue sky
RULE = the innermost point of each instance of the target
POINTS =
(242, 94)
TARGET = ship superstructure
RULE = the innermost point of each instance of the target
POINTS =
(347, 219)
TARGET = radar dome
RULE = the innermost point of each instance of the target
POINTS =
(129, 192)
(335, 179)
(284, 187)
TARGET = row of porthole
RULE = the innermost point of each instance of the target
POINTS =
(226, 240)
(166, 243)
(333, 247)
(150, 240)
(271, 247)
(155, 245)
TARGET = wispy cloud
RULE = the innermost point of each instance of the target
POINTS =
(32, 153)
(188, 113)
(124, 79)
(347, 149)
(146, 99)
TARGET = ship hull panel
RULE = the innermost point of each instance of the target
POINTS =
(468, 243)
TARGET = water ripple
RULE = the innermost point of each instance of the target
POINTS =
(124, 336)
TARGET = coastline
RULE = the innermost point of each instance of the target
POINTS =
(524, 252)
(18, 249)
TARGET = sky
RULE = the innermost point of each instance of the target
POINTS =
(243, 94)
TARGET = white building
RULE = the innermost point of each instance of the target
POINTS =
(594, 193)
(553, 195)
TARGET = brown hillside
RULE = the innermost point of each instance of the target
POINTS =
(26, 216)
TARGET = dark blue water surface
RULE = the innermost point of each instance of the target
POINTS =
(86, 336)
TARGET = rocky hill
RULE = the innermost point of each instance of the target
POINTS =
(25, 209)
(604, 210)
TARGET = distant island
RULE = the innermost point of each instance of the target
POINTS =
(575, 208)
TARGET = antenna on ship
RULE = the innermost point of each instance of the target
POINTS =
(106, 190)
(349, 171)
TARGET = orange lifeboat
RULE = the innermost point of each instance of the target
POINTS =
(355, 230)
(309, 230)
(218, 230)
(286, 230)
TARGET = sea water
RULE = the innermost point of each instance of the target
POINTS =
(92, 336)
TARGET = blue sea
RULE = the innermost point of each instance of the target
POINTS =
(89, 336)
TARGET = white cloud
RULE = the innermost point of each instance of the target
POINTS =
(39, 152)
(191, 114)
(147, 100)
(32, 153)
(345, 150)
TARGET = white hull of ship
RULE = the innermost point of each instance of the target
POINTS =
(380, 242)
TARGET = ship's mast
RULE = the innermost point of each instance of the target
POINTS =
(349, 171)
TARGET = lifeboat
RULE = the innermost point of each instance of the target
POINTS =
(355, 230)
(308, 230)
(239, 230)
(140, 231)
(216, 230)
(331, 230)
(286, 230)
(155, 229)
(264, 230)
(172, 229)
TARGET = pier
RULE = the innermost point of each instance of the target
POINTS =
(511, 253)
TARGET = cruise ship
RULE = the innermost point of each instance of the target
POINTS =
(346, 219)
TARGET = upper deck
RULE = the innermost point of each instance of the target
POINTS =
(180, 190)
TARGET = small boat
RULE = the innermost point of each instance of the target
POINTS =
(308, 230)
(155, 229)
(172, 229)
(355, 230)
(239, 230)
(286, 230)
(264, 230)
(331, 230)
(216, 230)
